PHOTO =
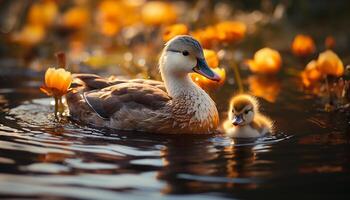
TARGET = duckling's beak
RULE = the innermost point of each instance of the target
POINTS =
(203, 69)
(237, 120)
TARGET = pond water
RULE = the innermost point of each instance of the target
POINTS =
(41, 158)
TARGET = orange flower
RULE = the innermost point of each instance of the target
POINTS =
(266, 61)
(265, 87)
(211, 57)
(29, 35)
(230, 31)
(57, 82)
(303, 45)
(227, 31)
(329, 63)
(109, 17)
(206, 36)
(208, 84)
(329, 42)
(76, 17)
(43, 13)
(174, 30)
(311, 74)
(213, 61)
(158, 12)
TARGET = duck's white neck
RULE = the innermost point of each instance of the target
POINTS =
(178, 85)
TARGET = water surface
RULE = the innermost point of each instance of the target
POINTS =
(42, 158)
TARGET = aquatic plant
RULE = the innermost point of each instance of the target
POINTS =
(330, 64)
(57, 83)
(311, 74)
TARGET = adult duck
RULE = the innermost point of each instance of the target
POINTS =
(177, 106)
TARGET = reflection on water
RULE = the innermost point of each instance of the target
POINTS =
(42, 158)
(266, 87)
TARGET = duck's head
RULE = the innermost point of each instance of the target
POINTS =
(182, 55)
(242, 109)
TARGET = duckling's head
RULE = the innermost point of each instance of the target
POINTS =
(182, 55)
(243, 108)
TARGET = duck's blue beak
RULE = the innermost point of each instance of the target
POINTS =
(237, 120)
(203, 69)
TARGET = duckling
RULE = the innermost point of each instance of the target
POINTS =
(245, 120)
(175, 106)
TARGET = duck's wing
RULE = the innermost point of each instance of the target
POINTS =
(157, 84)
(105, 102)
(93, 81)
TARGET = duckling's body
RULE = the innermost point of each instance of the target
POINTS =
(244, 119)
(176, 106)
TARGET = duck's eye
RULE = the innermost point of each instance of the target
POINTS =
(185, 53)
(246, 112)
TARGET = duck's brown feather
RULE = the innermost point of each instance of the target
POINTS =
(92, 81)
(123, 104)
(111, 99)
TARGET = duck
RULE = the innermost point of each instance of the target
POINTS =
(175, 106)
(244, 119)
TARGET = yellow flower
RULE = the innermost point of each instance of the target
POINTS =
(211, 57)
(303, 45)
(329, 63)
(266, 61)
(310, 74)
(57, 82)
(76, 17)
(174, 30)
(158, 13)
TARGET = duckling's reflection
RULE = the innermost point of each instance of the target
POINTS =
(204, 167)
(238, 165)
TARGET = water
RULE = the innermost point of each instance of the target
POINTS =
(41, 158)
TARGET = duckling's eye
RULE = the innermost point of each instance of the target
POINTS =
(185, 53)
(246, 112)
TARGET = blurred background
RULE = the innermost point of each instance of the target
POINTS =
(111, 36)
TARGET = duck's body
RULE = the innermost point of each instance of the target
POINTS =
(176, 106)
(244, 119)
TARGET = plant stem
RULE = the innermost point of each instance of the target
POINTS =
(238, 77)
(60, 106)
(56, 107)
(327, 89)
